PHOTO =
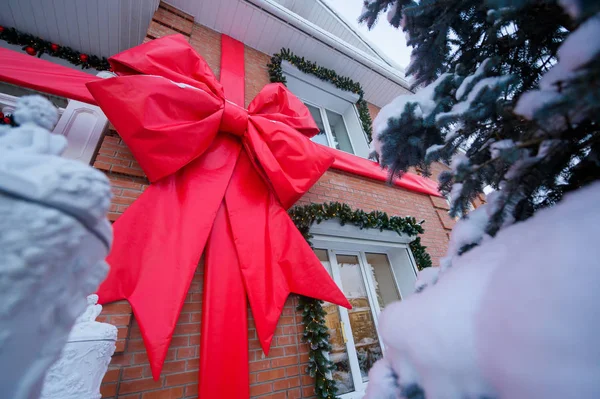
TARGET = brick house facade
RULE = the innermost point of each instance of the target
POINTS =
(281, 374)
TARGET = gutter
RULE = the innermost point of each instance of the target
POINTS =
(292, 19)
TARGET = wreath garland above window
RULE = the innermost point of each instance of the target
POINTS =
(328, 75)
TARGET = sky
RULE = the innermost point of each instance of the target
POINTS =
(383, 36)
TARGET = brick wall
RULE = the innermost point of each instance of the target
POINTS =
(281, 374)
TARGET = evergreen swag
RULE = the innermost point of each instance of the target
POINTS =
(327, 75)
(313, 315)
(36, 46)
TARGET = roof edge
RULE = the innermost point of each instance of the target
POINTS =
(361, 37)
(322, 35)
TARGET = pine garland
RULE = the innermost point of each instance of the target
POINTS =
(36, 46)
(313, 315)
(327, 75)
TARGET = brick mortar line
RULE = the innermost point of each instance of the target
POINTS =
(109, 172)
(177, 13)
(171, 27)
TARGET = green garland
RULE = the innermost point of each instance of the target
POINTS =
(313, 315)
(327, 75)
(36, 46)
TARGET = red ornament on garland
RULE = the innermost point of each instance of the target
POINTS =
(6, 120)
(83, 57)
(1, 115)
(1, 29)
(54, 47)
(30, 50)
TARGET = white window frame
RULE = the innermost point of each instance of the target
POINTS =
(82, 124)
(350, 240)
(324, 95)
(327, 126)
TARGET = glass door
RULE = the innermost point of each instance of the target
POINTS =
(367, 281)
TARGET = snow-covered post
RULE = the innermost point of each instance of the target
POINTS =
(53, 241)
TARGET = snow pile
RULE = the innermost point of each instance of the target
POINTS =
(506, 319)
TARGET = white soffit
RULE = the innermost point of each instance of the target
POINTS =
(268, 26)
(98, 27)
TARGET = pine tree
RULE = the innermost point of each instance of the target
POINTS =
(507, 89)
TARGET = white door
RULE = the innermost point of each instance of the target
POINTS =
(368, 281)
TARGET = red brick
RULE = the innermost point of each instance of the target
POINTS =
(270, 375)
(287, 383)
(111, 375)
(260, 365)
(182, 378)
(284, 361)
(139, 385)
(261, 389)
(191, 390)
(131, 373)
(173, 367)
(170, 393)
(108, 390)
(186, 353)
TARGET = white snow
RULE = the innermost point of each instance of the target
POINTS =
(37, 110)
(424, 99)
(515, 317)
(460, 92)
(532, 101)
(578, 49)
(433, 148)
(572, 7)
(463, 106)
(392, 12)
(458, 160)
(455, 193)
(427, 277)
(497, 147)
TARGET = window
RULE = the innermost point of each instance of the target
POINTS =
(333, 130)
(333, 110)
(372, 274)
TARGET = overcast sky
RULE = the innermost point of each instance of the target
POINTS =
(383, 35)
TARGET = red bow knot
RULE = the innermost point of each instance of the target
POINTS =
(234, 119)
(210, 190)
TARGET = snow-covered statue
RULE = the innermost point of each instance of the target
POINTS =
(54, 237)
(84, 360)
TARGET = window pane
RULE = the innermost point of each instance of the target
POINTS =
(364, 333)
(321, 137)
(385, 284)
(339, 354)
(339, 132)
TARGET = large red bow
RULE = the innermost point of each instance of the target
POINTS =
(221, 177)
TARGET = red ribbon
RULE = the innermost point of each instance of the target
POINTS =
(221, 177)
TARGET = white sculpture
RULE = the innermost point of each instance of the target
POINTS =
(84, 360)
(54, 237)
